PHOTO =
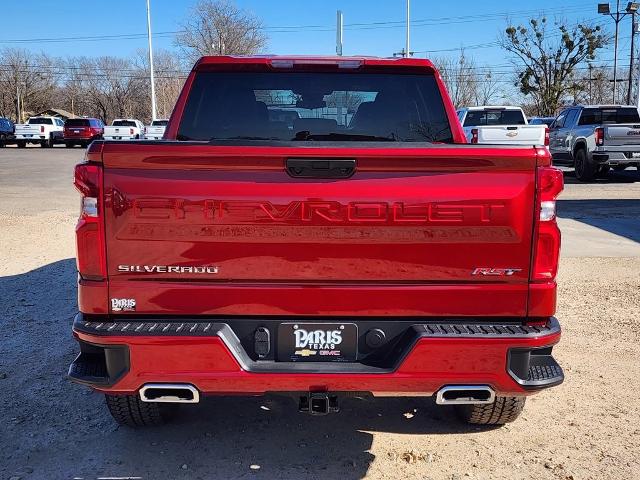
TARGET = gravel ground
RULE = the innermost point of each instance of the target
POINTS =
(589, 427)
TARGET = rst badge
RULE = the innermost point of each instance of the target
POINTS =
(500, 272)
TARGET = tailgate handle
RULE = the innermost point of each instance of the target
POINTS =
(512, 128)
(320, 167)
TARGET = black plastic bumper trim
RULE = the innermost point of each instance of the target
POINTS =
(99, 365)
(196, 327)
(534, 368)
(396, 355)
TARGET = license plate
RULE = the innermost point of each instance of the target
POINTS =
(29, 136)
(76, 131)
(317, 342)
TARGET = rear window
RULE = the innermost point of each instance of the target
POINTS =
(159, 123)
(77, 122)
(306, 106)
(40, 121)
(124, 123)
(494, 117)
(597, 116)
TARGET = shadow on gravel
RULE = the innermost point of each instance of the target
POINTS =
(52, 428)
(617, 216)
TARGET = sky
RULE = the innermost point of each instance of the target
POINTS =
(439, 28)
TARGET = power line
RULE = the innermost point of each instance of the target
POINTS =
(316, 28)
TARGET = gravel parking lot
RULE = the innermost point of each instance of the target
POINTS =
(52, 429)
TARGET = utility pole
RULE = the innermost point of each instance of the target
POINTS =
(633, 34)
(19, 103)
(407, 50)
(590, 89)
(339, 26)
(615, 52)
(603, 9)
(151, 76)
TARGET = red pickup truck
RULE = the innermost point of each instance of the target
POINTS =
(316, 227)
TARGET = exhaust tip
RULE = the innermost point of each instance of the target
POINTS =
(169, 393)
(465, 394)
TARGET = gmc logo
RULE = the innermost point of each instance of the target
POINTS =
(312, 211)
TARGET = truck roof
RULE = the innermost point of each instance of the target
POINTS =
(604, 106)
(491, 107)
(288, 61)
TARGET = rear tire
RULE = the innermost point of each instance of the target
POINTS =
(21, 143)
(69, 145)
(502, 410)
(585, 169)
(3, 141)
(130, 411)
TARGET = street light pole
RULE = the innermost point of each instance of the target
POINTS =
(615, 51)
(406, 48)
(632, 8)
(151, 75)
(339, 29)
(633, 34)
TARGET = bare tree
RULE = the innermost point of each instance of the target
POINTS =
(169, 79)
(219, 27)
(548, 67)
(27, 77)
(467, 83)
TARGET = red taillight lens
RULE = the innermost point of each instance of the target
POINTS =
(131, 131)
(550, 183)
(546, 137)
(41, 128)
(474, 135)
(599, 134)
(91, 257)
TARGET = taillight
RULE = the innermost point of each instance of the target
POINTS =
(91, 257)
(474, 135)
(546, 137)
(599, 134)
(550, 182)
(131, 131)
(41, 128)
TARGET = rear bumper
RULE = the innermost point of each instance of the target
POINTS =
(616, 157)
(121, 356)
(119, 137)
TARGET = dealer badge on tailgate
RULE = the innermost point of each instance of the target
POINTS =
(320, 342)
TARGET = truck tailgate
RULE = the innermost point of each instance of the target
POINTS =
(622, 134)
(226, 230)
(512, 135)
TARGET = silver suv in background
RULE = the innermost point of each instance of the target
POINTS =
(595, 138)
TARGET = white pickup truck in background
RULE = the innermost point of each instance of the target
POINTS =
(155, 131)
(500, 125)
(47, 131)
(124, 129)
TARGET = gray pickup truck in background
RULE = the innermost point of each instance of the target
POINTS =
(596, 138)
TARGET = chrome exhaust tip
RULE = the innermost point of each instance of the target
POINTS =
(465, 394)
(169, 393)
